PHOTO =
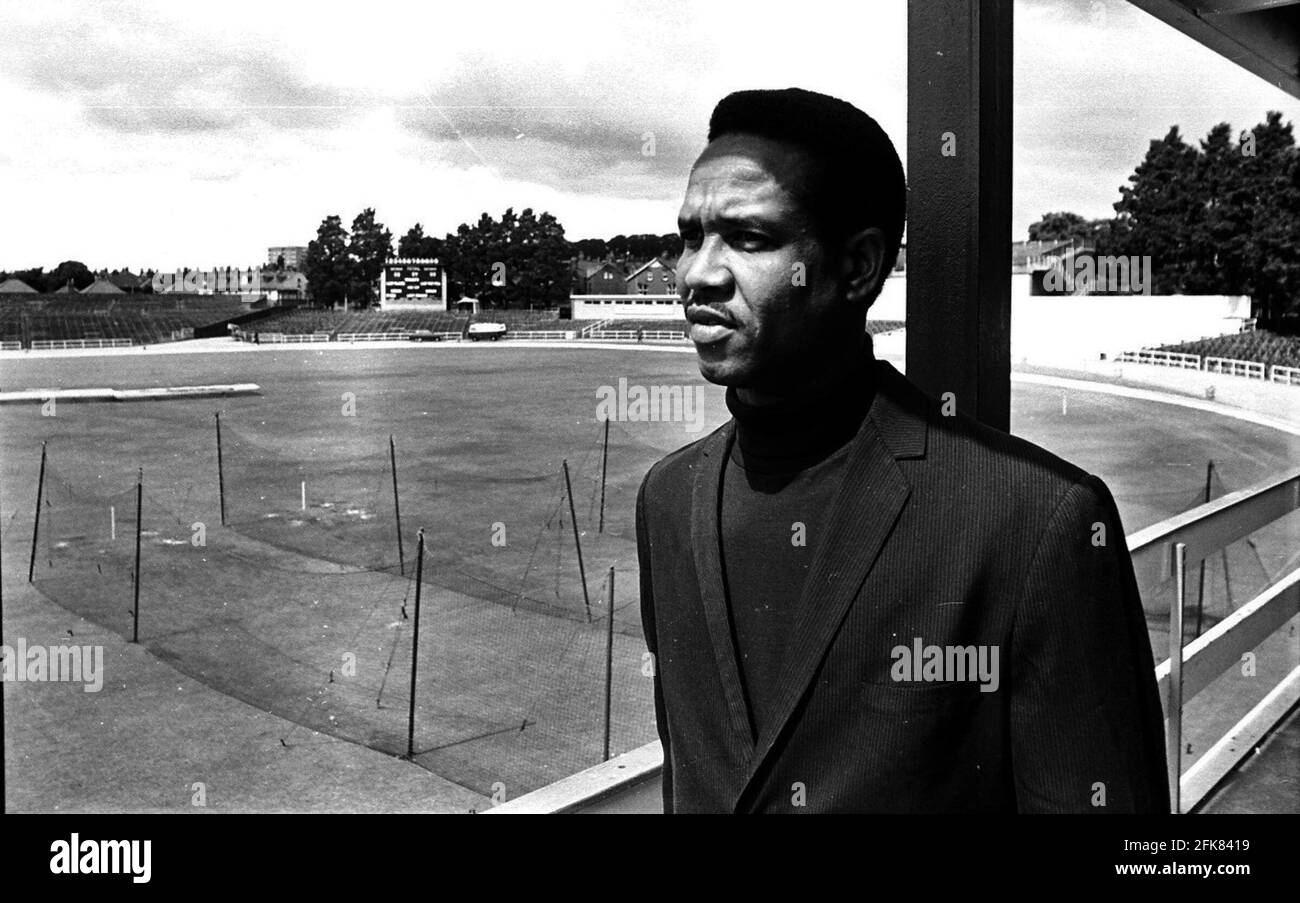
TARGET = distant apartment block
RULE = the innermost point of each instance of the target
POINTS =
(295, 257)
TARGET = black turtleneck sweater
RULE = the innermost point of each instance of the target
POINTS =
(780, 479)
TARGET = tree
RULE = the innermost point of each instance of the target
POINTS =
(1159, 211)
(370, 246)
(1270, 181)
(518, 261)
(1066, 226)
(1218, 219)
(591, 248)
(416, 244)
(69, 271)
(328, 267)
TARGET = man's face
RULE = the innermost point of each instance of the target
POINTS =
(760, 291)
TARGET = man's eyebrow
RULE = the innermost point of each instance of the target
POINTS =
(729, 220)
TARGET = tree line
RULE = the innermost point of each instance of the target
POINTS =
(1221, 217)
(517, 260)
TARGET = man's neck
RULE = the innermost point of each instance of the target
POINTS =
(825, 374)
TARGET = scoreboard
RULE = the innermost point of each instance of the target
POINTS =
(413, 282)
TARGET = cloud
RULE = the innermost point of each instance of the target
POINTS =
(134, 74)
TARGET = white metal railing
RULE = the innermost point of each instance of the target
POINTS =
(1162, 358)
(373, 336)
(295, 338)
(66, 344)
(544, 335)
(1166, 551)
(614, 335)
(588, 330)
(1250, 369)
(1275, 373)
(1289, 376)
(630, 782)
(663, 335)
(11, 346)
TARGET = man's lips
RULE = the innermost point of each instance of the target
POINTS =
(708, 316)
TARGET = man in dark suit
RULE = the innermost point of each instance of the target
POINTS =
(856, 597)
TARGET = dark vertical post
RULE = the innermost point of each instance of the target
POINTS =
(397, 508)
(139, 506)
(959, 211)
(221, 473)
(36, 524)
(1174, 733)
(573, 516)
(609, 659)
(415, 642)
(2, 686)
(1200, 592)
(604, 462)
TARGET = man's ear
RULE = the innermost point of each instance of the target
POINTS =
(864, 262)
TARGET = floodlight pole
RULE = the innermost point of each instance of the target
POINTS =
(415, 642)
(573, 516)
(139, 505)
(36, 524)
(397, 508)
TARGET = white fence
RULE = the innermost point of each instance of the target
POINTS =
(1289, 376)
(1275, 373)
(65, 344)
(1162, 359)
(1249, 369)
(637, 335)
(588, 330)
(373, 336)
(11, 346)
(285, 338)
(543, 335)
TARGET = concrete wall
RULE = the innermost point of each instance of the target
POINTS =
(1068, 329)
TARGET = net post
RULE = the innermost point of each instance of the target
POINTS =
(221, 474)
(415, 642)
(139, 505)
(397, 508)
(582, 570)
(604, 461)
(36, 523)
(1200, 592)
(609, 658)
(1174, 750)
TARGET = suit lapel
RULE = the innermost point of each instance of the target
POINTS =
(706, 545)
(870, 499)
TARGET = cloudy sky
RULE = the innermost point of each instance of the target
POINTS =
(166, 134)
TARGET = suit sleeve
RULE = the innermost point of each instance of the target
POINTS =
(1087, 733)
(651, 639)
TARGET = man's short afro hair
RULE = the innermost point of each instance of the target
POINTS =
(859, 181)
